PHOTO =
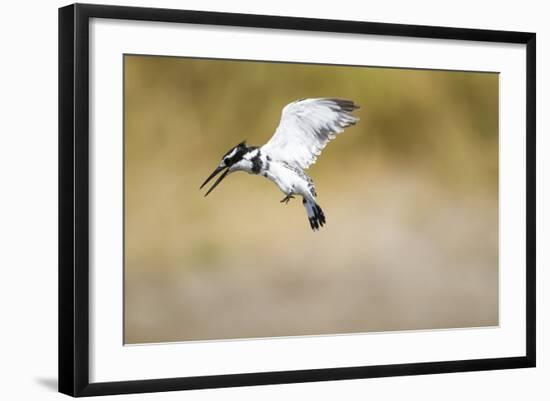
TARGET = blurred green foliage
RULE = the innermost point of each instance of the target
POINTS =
(445, 120)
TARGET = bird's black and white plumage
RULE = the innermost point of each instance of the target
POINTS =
(306, 126)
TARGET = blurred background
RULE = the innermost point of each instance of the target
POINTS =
(410, 195)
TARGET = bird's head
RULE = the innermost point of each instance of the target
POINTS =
(228, 163)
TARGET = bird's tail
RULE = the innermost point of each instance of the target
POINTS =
(315, 214)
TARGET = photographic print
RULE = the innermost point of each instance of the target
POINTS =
(256, 199)
(271, 199)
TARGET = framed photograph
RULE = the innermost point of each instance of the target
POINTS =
(251, 199)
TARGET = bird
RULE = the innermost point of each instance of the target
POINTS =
(305, 128)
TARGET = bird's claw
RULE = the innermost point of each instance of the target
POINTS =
(286, 199)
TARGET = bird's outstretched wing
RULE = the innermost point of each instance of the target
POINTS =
(306, 127)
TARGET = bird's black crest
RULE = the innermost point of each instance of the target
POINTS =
(240, 148)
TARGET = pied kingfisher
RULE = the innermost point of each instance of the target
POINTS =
(306, 126)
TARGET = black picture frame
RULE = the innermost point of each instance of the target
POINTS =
(74, 198)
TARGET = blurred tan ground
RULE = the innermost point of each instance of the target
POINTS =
(410, 195)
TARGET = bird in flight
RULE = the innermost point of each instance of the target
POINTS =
(306, 126)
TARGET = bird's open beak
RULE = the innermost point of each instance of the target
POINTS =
(220, 178)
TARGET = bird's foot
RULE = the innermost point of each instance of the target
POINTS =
(286, 199)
